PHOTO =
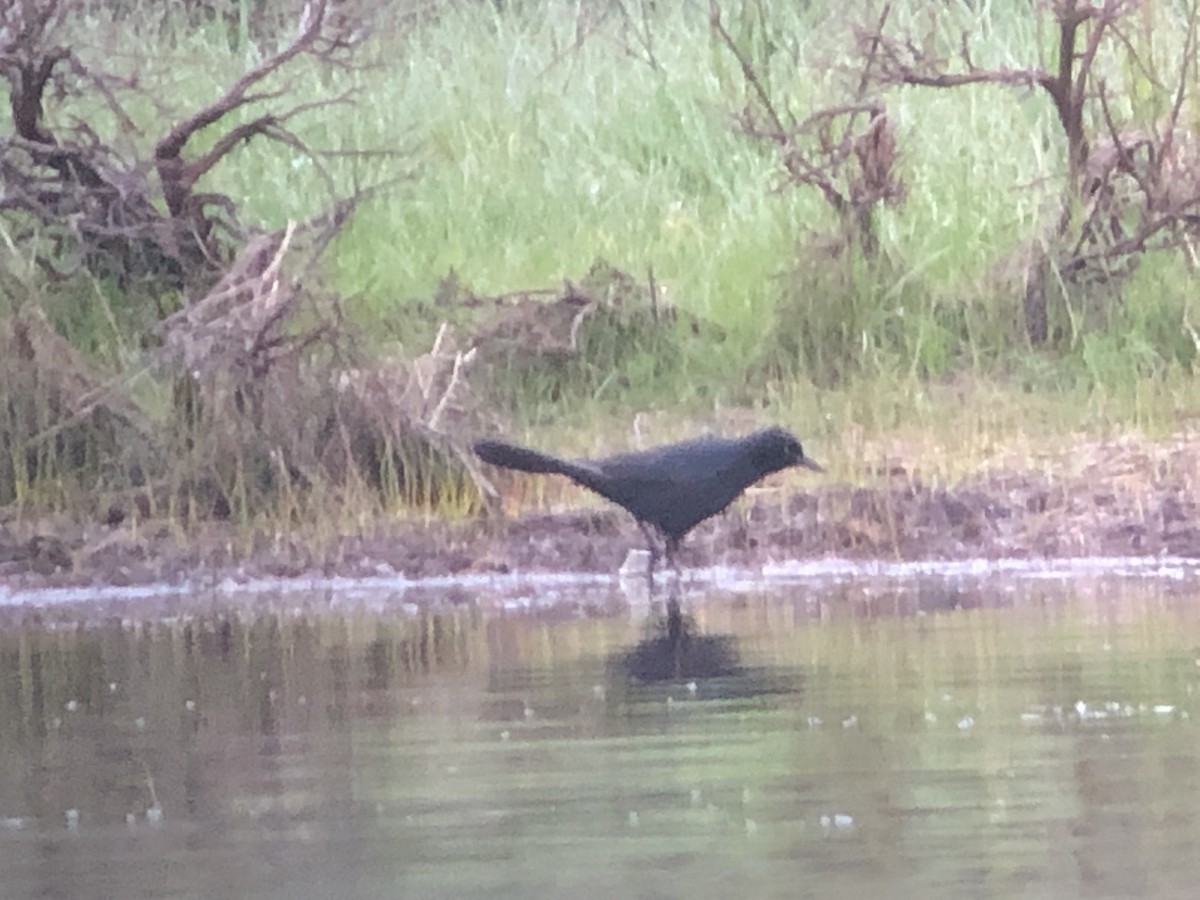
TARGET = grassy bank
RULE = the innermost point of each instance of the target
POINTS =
(541, 137)
(536, 162)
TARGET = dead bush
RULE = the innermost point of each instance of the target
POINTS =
(127, 206)
(251, 391)
(1129, 189)
(61, 420)
(560, 345)
(847, 151)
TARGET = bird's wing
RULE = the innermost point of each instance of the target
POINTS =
(620, 481)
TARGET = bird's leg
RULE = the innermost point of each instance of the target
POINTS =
(676, 633)
(672, 548)
(652, 546)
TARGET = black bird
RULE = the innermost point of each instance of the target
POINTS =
(671, 489)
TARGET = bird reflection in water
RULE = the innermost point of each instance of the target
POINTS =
(677, 652)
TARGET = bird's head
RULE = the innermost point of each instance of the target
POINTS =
(776, 448)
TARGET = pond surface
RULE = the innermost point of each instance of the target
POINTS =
(898, 732)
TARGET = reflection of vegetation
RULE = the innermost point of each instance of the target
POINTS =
(1038, 247)
(158, 670)
(137, 702)
(459, 738)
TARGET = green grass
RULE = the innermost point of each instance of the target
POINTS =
(520, 161)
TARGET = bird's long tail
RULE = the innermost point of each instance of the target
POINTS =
(522, 459)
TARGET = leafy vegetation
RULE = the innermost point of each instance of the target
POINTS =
(871, 218)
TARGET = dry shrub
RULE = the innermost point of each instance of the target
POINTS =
(395, 420)
(61, 416)
(261, 398)
(1142, 191)
(278, 397)
(571, 343)
(1129, 190)
(847, 151)
(259, 393)
(133, 210)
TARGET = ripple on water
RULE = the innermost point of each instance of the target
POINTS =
(827, 728)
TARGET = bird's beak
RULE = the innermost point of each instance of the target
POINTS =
(809, 464)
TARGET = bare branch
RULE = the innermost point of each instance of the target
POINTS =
(1187, 59)
(312, 19)
(106, 199)
(748, 70)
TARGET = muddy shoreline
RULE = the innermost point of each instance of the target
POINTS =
(1121, 498)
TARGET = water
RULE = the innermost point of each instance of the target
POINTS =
(871, 732)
